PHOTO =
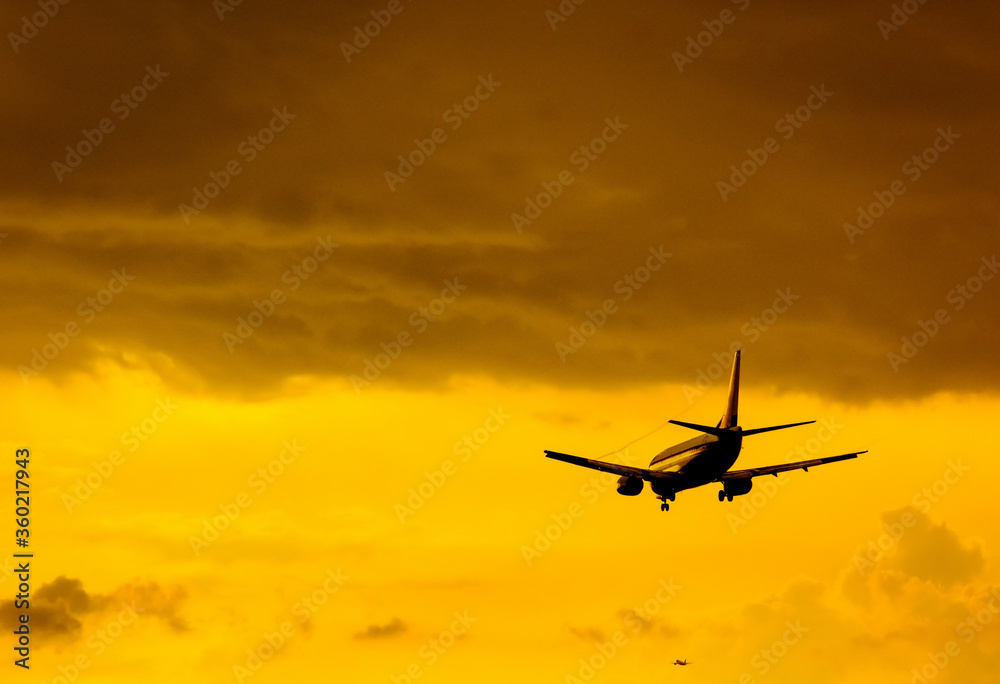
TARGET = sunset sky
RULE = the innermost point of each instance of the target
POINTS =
(295, 297)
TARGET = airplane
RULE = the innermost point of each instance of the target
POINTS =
(682, 662)
(702, 460)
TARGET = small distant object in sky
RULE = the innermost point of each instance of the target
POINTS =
(701, 460)
(682, 662)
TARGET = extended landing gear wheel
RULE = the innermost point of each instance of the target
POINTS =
(729, 496)
(722, 495)
(664, 506)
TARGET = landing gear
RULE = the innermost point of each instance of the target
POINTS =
(664, 506)
(722, 495)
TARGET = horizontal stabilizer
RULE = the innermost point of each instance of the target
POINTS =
(717, 431)
(774, 427)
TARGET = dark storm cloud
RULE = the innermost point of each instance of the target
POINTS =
(55, 609)
(858, 298)
(59, 607)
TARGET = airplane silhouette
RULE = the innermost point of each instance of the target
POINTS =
(682, 662)
(701, 460)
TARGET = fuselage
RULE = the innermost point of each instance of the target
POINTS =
(703, 459)
(698, 461)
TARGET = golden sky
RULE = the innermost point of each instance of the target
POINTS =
(295, 297)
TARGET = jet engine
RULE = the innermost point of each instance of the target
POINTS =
(731, 488)
(738, 487)
(629, 486)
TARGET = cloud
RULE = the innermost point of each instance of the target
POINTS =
(386, 631)
(154, 600)
(55, 610)
(61, 608)
(69, 593)
(588, 634)
(933, 552)
(910, 601)
(654, 185)
(911, 553)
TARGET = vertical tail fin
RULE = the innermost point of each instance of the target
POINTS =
(730, 418)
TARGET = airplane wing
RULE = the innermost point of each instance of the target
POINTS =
(775, 469)
(603, 466)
